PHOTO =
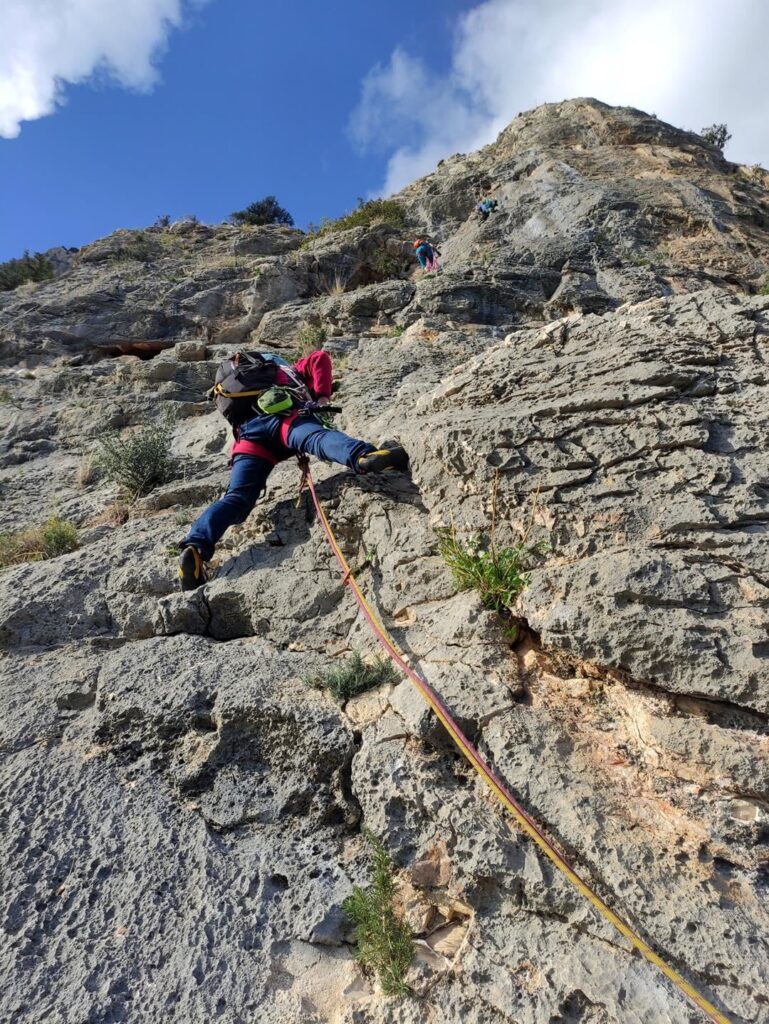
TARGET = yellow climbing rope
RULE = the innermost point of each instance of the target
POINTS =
(526, 823)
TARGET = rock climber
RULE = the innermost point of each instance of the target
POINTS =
(271, 424)
(427, 254)
(485, 207)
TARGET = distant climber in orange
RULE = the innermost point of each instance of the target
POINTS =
(427, 254)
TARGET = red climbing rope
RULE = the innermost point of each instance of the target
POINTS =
(495, 784)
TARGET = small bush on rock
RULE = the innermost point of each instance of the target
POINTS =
(140, 461)
(383, 938)
(28, 268)
(365, 214)
(384, 265)
(264, 211)
(53, 538)
(310, 337)
(498, 574)
(355, 676)
(717, 135)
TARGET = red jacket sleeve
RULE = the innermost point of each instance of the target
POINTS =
(315, 371)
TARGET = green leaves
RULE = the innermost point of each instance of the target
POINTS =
(498, 574)
(27, 268)
(55, 537)
(383, 938)
(140, 461)
(354, 676)
(365, 214)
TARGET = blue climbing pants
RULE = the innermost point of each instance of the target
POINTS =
(250, 472)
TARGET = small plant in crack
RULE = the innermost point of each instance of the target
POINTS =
(383, 938)
(498, 574)
(354, 676)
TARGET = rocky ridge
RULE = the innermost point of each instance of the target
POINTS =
(183, 815)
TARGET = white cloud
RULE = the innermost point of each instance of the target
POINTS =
(45, 44)
(692, 62)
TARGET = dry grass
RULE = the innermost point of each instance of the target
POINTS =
(53, 538)
(87, 471)
(334, 285)
(113, 515)
(233, 262)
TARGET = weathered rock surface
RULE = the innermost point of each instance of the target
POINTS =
(182, 815)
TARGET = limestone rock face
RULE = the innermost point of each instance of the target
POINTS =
(586, 376)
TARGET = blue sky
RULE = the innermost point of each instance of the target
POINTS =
(254, 99)
(202, 106)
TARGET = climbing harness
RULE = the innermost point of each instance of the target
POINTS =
(498, 788)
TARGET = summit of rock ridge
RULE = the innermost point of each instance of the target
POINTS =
(183, 816)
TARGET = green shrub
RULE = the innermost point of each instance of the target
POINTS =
(717, 135)
(764, 290)
(396, 331)
(53, 538)
(383, 938)
(365, 214)
(310, 337)
(498, 574)
(28, 268)
(58, 537)
(265, 211)
(354, 676)
(134, 246)
(384, 265)
(140, 461)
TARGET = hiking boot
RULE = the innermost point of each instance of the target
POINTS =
(383, 459)
(192, 571)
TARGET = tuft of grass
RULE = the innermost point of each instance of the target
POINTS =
(498, 574)
(87, 471)
(354, 676)
(336, 285)
(764, 290)
(113, 515)
(310, 337)
(383, 938)
(365, 214)
(139, 461)
(396, 331)
(53, 538)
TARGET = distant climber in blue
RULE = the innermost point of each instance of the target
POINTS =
(485, 207)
